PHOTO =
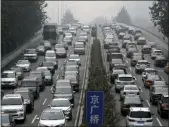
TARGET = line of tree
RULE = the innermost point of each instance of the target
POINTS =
(20, 20)
(68, 18)
(159, 12)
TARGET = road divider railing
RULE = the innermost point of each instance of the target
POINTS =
(15, 53)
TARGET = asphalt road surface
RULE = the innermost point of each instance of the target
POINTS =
(157, 120)
(45, 96)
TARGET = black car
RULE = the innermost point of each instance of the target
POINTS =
(160, 61)
(50, 65)
(41, 77)
(162, 105)
(41, 50)
(156, 92)
(48, 78)
(7, 120)
(28, 98)
(32, 84)
(130, 101)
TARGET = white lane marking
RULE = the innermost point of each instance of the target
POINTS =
(130, 69)
(57, 77)
(148, 103)
(162, 78)
(44, 101)
(127, 61)
(158, 121)
(34, 118)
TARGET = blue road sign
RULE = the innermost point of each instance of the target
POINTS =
(94, 107)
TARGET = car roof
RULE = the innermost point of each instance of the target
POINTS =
(60, 99)
(142, 61)
(125, 75)
(30, 78)
(63, 80)
(67, 86)
(146, 109)
(79, 43)
(165, 95)
(130, 86)
(150, 69)
(52, 110)
(9, 71)
(12, 96)
(49, 51)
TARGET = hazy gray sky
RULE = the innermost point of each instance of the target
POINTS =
(86, 11)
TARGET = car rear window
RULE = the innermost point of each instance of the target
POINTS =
(140, 114)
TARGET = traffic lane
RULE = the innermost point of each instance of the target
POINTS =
(46, 101)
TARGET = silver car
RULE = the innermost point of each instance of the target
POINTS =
(24, 64)
(63, 104)
(30, 54)
(52, 118)
(9, 79)
(79, 48)
(75, 57)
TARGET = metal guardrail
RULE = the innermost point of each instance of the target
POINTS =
(12, 55)
(165, 41)
(36, 34)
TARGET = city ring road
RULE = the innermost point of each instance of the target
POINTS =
(45, 96)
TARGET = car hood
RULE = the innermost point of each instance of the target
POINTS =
(52, 122)
(79, 48)
(7, 79)
(11, 107)
(62, 108)
(63, 95)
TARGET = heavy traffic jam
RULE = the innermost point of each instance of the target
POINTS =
(52, 71)
(136, 68)
(52, 74)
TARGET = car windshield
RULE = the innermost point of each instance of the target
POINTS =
(68, 73)
(23, 94)
(4, 119)
(74, 57)
(140, 114)
(47, 73)
(71, 78)
(161, 90)
(47, 64)
(63, 83)
(60, 50)
(63, 91)
(52, 59)
(125, 78)
(131, 88)
(29, 83)
(118, 72)
(52, 115)
(71, 68)
(42, 69)
(50, 54)
(23, 62)
(11, 101)
(116, 61)
(79, 46)
(132, 100)
(8, 75)
(59, 46)
(60, 103)
(67, 38)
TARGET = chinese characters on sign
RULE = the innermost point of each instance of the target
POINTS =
(94, 107)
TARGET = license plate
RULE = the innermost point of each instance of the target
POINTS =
(140, 122)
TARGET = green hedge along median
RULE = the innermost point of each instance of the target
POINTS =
(98, 81)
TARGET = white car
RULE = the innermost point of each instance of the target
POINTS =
(9, 79)
(63, 104)
(14, 105)
(79, 48)
(129, 89)
(24, 64)
(75, 57)
(84, 34)
(30, 54)
(52, 118)
(73, 31)
(123, 79)
(86, 29)
(69, 35)
(156, 53)
(139, 116)
(148, 71)
(50, 53)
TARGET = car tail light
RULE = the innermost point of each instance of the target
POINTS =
(151, 120)
(163, 105)
(131, 120)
